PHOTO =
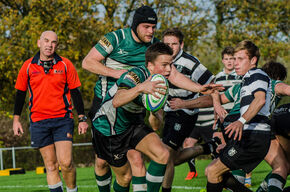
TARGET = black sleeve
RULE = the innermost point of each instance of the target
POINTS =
(19, 102)
(78, 101)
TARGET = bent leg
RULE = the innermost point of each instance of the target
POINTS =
(103, 174)
(138, 170)
(169, 173)
(152, 146)
(123, 177)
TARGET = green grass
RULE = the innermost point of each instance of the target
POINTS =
(31, 182)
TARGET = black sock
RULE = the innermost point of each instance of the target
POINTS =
(214, 187)
(232, 183)
(166, 189)
(191, 164)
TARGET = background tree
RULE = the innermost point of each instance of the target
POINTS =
(208, 27)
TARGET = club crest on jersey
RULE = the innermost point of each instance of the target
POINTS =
(177, 127)
(106, 44)
(232, 152)
(132, 77)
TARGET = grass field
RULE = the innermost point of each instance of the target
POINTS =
(31, 182)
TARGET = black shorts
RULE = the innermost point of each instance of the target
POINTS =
(93, 110)
(280, 122)
(49, 131)
(114, 148)
(247, 153)
(177, 127)
(228, 120)
(202, 132)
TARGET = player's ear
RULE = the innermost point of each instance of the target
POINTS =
(150, 66)
(254, 61)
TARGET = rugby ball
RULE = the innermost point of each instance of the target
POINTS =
(152, 103)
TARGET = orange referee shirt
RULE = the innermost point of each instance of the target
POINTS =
(49, 94)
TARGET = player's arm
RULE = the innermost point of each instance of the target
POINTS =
(180, 80)
(217, 104)
(200, 102)
(79, 105)
(156, 119)
(237, 126)
(19, 103)
(93, 63)
(124, 96)
(282, 89)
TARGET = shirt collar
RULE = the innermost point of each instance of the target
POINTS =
(36, 58)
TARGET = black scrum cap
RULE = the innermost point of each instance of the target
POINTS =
(144, 14)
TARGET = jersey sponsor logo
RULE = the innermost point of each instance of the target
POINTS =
(35, 72)
(177, 127)
(122, 52)
(118, 156)
(132, 77)
(58, 71)
(106, 44)
(232, 152)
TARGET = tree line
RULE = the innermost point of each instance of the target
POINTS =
(208, 27)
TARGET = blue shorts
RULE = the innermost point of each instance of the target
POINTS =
(49, 131)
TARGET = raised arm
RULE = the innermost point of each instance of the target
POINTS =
(181, 81)
(93, 63)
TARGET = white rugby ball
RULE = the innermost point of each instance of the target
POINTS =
(152, 103)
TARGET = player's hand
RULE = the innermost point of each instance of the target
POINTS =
(220, 147)
(210, 88)
(153, 87)
(235, 128)
(220, 112)
(83, 127)
(17, 127)
(176, 103)
(118, 73)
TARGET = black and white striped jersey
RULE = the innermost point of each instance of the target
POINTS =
(206, 115)
(191, 67)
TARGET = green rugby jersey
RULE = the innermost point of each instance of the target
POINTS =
(233, 95)
(113, 121)
(275, 99)
(121, 51)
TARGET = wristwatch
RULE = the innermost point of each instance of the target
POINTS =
(83, 119)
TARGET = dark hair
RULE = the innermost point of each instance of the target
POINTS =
(228, 51)
(173, 32)
(155, 50)
(275, 70)
(250, 47)
(143, 14)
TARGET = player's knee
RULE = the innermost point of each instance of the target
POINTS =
(101, 164)
(51, 167)
(66, 165)
(124, 179)
(210, 171)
